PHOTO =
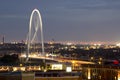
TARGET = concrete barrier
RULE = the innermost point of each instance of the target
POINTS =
(17, 76)
(28, 76)
(58, 78)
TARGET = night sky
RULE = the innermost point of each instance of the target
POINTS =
(63, 20)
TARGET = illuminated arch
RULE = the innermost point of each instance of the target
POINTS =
(30, 40)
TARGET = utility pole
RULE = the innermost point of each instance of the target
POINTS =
(52, 46)
(3, 39)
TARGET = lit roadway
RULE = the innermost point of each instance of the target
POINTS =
(58, 59)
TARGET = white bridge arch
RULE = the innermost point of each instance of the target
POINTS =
(38, 26)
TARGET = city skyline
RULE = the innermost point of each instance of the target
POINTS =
(63, 20)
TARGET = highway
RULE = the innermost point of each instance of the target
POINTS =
(58, 59)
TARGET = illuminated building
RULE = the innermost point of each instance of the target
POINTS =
(100, 72)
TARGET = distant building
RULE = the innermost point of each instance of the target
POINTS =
(100, 72)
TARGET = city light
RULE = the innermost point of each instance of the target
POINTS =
(89, 77)
(68, 69)
(57, 66)
(118, 44)
(69, 43)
